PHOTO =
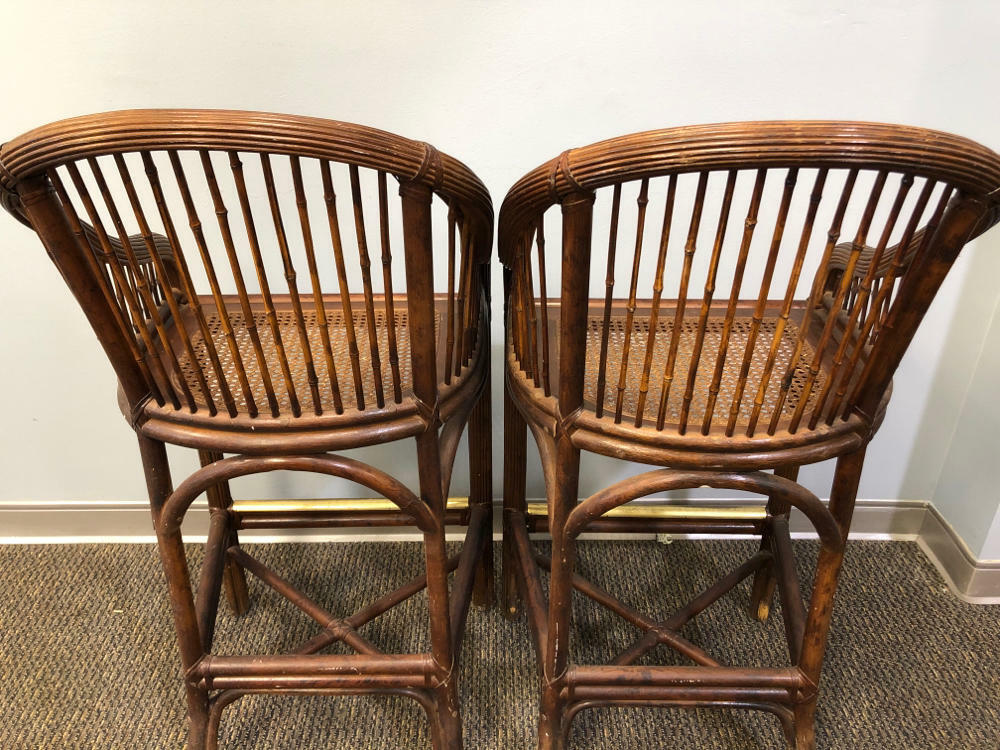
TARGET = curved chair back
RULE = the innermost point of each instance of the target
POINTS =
(758, 319)
(225, 259)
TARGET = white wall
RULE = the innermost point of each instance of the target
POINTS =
(969, 470)
(503, 86)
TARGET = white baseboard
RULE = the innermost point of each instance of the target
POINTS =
(972, 580)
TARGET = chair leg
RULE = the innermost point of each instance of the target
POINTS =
(515, 437)
(842, 497)
(159, 486)
(805, 726)
(448, 732)
(234, 581)
(764, 580)
(481, 492)
(563, 498)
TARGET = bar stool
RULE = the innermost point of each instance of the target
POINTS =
(745, 338)
(176, 232)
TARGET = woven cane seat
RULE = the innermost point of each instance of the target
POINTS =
(289, 338)
(397, 414)
(786, 386)
(739, 336)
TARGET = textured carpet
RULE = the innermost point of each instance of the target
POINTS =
(88, 658)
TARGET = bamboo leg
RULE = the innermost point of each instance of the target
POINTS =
(234, 580)
(515, 436)
(175, 569)
(481, 492)
(842, 497)
(449, 721)
(563, 497)
(764, 579)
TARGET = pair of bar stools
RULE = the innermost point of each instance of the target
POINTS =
(748, 338)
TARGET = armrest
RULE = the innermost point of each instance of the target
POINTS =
(841, 253)
(138, 245)
(170, 285)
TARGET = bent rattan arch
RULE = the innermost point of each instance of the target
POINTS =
(260, 291)
(758, 326)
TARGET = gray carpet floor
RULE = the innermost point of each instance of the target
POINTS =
(88, 658)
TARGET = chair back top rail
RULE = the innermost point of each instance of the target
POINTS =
(746, 145)
(143, 130)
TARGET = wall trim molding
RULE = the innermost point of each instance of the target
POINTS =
(127, 521)
(971, 580)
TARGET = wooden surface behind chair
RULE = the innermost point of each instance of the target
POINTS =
(225, 261)
(760, 286)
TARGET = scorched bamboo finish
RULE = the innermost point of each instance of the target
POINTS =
(764, 343)
(222, 344)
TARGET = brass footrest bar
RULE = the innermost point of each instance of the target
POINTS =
(665, 519)
(675, 512)
(336, 504)
(334, 512)
(635, 525)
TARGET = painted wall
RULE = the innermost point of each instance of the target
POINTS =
(970, 468)
(504, 86)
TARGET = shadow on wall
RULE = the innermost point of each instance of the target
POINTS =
(959, 356)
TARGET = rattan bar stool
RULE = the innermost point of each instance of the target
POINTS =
(233, 293)
(744, 338)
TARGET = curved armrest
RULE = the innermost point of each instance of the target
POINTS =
(171, 284)
(841, 254)
(138, 245)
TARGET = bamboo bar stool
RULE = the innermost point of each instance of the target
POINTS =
(746, 337)
(233, 293)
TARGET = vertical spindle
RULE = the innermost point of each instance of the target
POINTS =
(758, 314)
(833, 234)
(609, 293)
(330, 199)
(786, 307)
(641, 203)
(857, 246)
(390, 310)
(290, 278)
(249, 321)
(654, 312)
(307, 241)
(366, 280)
(544, 300)
(706, 300)
(678, 326)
